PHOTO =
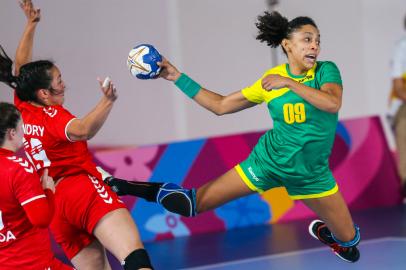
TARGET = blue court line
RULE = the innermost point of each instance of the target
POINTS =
(296, 259)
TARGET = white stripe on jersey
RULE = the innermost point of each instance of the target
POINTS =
(66, 130)
(33, 199)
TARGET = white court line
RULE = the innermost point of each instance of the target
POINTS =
(292, 253)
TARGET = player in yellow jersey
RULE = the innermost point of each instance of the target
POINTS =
(303, 97)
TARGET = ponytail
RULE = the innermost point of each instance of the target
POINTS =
(6, 72)
(273, 27)
(33, 76)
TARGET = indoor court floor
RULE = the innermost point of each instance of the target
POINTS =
(287, 246)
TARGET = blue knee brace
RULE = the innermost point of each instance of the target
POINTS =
(351, 243)
(177, 200)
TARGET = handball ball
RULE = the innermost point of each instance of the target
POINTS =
(142, 62)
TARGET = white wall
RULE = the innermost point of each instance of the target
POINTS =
(214, 42)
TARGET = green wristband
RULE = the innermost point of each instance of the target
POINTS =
(187, 85)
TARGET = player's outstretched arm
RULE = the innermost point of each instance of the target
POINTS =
(25, 47)
(86, 127)
(216, 103)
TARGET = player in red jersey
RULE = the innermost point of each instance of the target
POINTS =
(89, 217)
(26, 208)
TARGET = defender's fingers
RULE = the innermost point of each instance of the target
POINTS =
(45, 174)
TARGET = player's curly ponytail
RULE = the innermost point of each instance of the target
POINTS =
(273, 27)
(9, 117)
(33, 76)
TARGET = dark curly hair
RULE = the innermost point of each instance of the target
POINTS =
(9, 117)
(33, 76)
(273, 27)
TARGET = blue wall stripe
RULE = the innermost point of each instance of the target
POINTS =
(343, 132)
(176, 161)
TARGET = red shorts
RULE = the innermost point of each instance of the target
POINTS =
(80, 202)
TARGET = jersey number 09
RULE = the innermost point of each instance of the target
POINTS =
(294, 113)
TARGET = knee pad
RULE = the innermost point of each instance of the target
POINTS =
(354, 242)
(177, 200)
(136, 260)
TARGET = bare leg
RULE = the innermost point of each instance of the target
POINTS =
(221, 190)
(118, 233)
(92, 257)
(334, 212)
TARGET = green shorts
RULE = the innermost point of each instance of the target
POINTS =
(260, 178)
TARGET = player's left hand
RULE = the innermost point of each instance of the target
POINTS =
(33, 14)
(109, 92)
(47, 181)
(169, 72)
(274, 82)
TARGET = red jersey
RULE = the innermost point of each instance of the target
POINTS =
(21, 244)
(46, 142)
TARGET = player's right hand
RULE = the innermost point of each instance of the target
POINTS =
(47, 181)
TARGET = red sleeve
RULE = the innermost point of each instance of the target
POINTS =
(41, 211)
(26, 182)
(37, 203)
(58, 119)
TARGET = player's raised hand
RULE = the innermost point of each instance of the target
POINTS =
(108, 89)
(47, 181)
(33, 14)
(169, 72)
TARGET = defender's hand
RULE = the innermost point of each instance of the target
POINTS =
(47, 181)
(33, 14)
(108, 89)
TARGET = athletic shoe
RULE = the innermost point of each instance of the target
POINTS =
(319, 230)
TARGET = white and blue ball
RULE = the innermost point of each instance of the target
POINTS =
(142, 62)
